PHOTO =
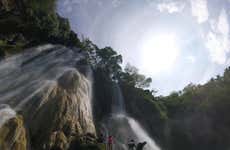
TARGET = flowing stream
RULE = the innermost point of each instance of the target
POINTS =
(124, 128)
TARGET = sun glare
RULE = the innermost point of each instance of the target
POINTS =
(159, 53)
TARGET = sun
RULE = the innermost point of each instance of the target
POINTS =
(159, 53)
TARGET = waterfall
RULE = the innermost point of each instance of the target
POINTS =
(123, 127)
(29, 79)
(142, 135)
(6, 113)
(49, 73)
(117, 100)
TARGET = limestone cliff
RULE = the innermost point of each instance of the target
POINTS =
(13, 135)
(52, 96)
(63, 113)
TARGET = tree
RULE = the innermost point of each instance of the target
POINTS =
(109, 60)
(132, 77)
(41, 5)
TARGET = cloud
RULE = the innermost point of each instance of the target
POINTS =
(70, 5)
(191, 59)
(116, 3)
(74, 2)
(228, 62)
(217, 40)
(200, 10)
(171, 7)
(69, 9)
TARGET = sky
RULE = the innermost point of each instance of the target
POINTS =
(175, 42)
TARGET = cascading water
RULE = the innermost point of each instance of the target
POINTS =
(47, 73)
(123, 127)
(30, 79)
(6, 113)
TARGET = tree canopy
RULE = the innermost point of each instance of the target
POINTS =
(132, 77)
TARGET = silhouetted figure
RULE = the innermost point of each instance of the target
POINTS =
(101, 139)
(131, 145)
(110, 142)
(141, 145)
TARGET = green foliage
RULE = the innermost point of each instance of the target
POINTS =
(64, 28)
(88, 45)
(17, 46)
(132, 77)
(90, 49)
(109, 59)
(215, 92)
(195, 116)
(47, 25)
(37, 22)
(50, 27)
(198, 114)
(105, 59)
(47, 6)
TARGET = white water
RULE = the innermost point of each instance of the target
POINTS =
(142, 135)
(27, 80)
(6, 113)
(125, 128)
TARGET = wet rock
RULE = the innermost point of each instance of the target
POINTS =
(52, 95)
(13, 135)
(63, 113)
(58, 141)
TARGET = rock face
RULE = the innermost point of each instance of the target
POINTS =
(13, 135)
(64, 113)
(58, 140)
(53, 97)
